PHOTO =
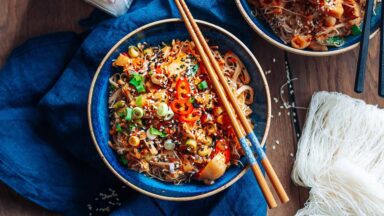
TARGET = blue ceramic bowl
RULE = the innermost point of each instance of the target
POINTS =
(263, 29)
(154, 34)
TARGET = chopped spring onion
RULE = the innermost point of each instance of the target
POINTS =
(162, 109)
(169, 145)
(150, 136)
(203, 85)
(123, 160)
(121, 112)
(169, 115)
(136, 79)
(191, 100)
(133, 51)
(128, 114)
(139, 101)
(191, 145)
(118, 128)
(138, 82)
(334, 41)
(193, 70)
(119, 104)
(132, 127)
(355, 30)
(137, 113)
(140, 89)
(156, 132)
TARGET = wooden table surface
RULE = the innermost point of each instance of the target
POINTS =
(22, 19)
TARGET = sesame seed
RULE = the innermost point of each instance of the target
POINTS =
(277, 142)
(276, 100)
(292, 154)
(273, 147)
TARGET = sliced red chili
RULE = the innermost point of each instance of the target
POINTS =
(202, 68)
(191, 117)
(183, 89)
(206, 118)
(232, 60)
(181, 107)
(158, 70)
(223, 147)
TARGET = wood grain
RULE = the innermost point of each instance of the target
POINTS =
(22, 19)
(272, 59)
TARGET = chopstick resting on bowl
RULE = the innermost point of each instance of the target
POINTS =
(233, 110)
(364, 45)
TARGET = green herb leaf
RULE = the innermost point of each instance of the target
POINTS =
(355, 30)
(139, 101)
(193, 70)
(128, 113)
(138, 82)
(191, 100)
(154, 131)
(123, 160)
(119, 104)
(118, 128)
(132, 127)
(203, 85)
(334, 41)
(121, 112)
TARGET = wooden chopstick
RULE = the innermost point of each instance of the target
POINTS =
(245, 123)
(364, 45)
(200, 41)
(381, 65)
(219, 89)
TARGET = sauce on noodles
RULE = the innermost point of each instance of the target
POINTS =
(166, 121)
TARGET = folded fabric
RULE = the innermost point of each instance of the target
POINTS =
(46, 153)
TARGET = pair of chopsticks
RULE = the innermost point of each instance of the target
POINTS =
(363, 52)
(233, 110)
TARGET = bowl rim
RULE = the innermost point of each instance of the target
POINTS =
(89, 112)
(291, 49)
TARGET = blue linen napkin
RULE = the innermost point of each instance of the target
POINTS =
(46, 153)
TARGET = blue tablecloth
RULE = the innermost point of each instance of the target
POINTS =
(46, 153)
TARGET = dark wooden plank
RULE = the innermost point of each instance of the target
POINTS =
(272, 61)
(20, 20)
(23, 19)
